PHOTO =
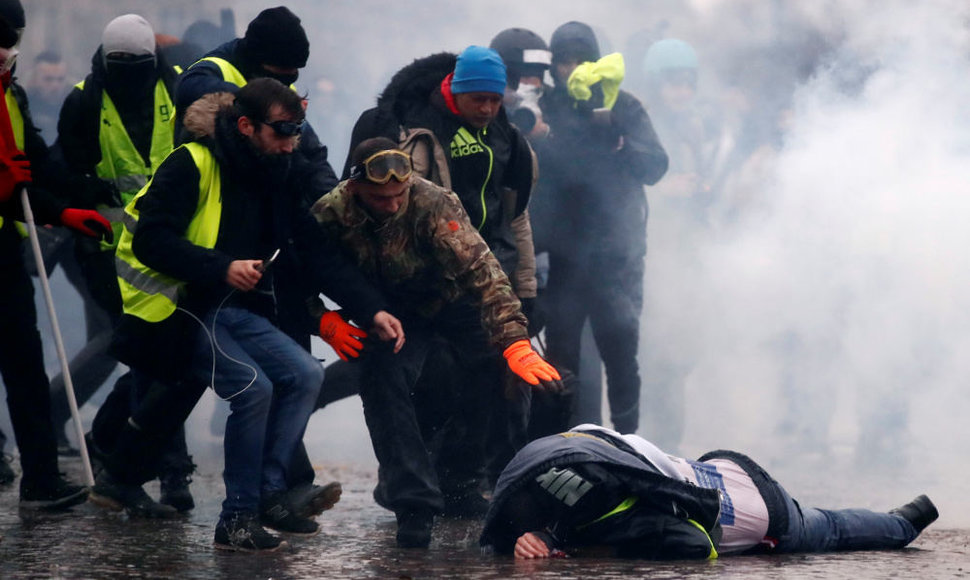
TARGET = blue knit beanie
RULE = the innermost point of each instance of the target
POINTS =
(479, 69)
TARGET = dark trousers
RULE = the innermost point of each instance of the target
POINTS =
(608, 290)
(92, 272)
(140, 443)
(403, 422)
(22, 365)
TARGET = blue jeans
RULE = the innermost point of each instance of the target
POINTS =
(271, 384)
(818, 530)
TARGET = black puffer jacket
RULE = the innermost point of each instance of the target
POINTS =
(413, 99)
(593, 172)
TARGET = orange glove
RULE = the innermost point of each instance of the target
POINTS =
(527, 363)
(88, 222)
(341, 336)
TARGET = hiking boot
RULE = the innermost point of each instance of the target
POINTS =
(7, 474)
(276, 513)
(54, 494)
(175, 489)
(242, 532)
(466, 505)
(110, 493)
(312, 500)
(920, 512)
(414, 529)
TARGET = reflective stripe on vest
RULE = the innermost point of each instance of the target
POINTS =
(230, 73)
(17, 124)
(148, 294)
(121, 163)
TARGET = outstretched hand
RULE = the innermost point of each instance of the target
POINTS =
(387, 327)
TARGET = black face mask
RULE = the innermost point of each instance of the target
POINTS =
(286, 79)
(130, 80)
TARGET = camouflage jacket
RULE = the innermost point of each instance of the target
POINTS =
(425, 255)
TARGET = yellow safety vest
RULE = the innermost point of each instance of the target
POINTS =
(17, 124)
(230, 73)
(150, 295)
(121, 163)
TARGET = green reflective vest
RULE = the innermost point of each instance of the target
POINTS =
(150, 295)
(17, 124)
(121, 163)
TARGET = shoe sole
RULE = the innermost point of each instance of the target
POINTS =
(327, 497)
(58, 504)
(116, 506)
(289, 532)
(105, 501)
(232, 548)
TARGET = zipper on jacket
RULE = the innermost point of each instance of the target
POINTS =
(488, 176)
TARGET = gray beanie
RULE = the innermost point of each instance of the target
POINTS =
(129, 33)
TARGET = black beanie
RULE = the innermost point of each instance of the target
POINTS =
(574, 40)
(275, 37)
(11, 19)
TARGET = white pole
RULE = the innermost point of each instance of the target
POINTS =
(58, 341)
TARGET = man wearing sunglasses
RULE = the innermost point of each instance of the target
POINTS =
(413, 240)
(194, 255)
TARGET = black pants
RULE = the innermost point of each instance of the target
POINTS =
(609, 291)
(403, 422)
(22, 365)
(92, 272)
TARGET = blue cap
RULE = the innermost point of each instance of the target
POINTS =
(479, 69)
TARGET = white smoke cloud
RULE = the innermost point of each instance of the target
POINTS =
(843, 286)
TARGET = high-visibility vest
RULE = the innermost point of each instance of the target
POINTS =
(17, 124)
(121, 163)
(230, 73)
(150, 295)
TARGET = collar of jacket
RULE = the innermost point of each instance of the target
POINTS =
(448, 95)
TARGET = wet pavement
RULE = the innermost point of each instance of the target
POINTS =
(357, 541)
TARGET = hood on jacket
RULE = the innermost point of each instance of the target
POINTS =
(574, 40)
(409, 87)
(200, 117)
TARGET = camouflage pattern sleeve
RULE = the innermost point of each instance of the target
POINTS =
(465, 258)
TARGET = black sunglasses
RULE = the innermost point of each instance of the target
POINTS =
(286, 128)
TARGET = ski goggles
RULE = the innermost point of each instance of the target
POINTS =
(380, 167)
(286, 128)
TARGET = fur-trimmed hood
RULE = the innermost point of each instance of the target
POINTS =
(409, 87)
(200, 117)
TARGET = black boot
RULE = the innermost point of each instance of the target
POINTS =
(414, 528)
(920, 512)
(52, 494)
(175, 487)
(115, 495)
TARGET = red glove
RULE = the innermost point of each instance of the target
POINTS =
(88, 222)
(14, 172)
(341, 336)
(527, 363)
